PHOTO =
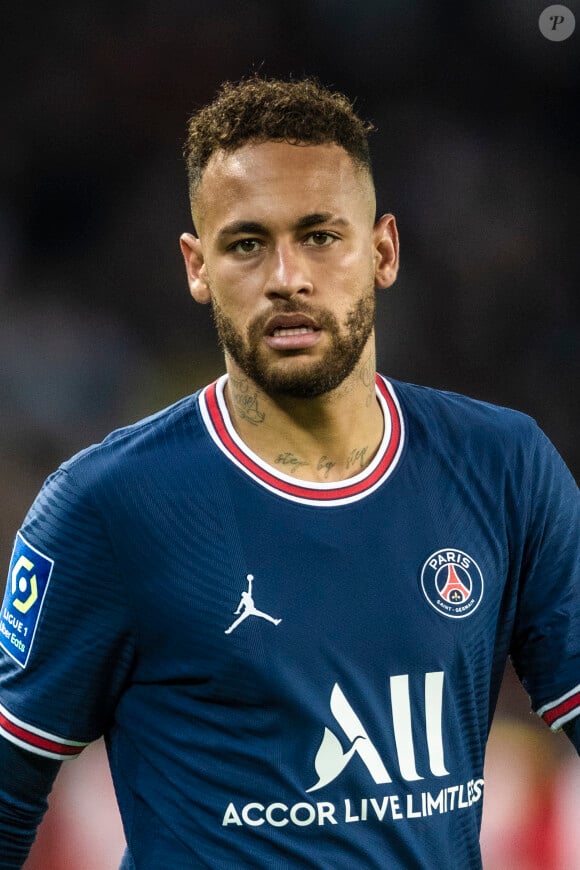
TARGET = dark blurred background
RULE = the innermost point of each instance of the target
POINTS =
(476, 153)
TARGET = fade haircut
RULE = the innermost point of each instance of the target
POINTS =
(264, 110)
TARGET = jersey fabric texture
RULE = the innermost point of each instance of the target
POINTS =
(291, 674)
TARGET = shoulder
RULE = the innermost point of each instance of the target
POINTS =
(143, 450)
(126, 476)
(175, 422)
(456, 416)
(484, 440)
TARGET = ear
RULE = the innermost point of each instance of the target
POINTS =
(195, 267)
(386, 242)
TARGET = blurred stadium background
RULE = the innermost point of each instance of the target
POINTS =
(476, 153)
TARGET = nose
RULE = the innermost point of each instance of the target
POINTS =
(288, 275)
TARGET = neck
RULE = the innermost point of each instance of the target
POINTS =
(328, 438)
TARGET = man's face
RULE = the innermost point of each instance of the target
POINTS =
(287, 255)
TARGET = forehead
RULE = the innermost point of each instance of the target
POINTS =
(277, 179)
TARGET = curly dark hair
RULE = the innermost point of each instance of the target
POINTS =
(263, 110)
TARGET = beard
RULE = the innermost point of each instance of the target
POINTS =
(311, 378)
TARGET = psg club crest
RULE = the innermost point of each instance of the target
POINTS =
(452, 583)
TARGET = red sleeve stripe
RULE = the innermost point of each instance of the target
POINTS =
(37, 741)
(562, 710)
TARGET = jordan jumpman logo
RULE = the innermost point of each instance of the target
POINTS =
(246, 608)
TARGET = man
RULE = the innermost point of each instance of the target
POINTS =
(287, 601)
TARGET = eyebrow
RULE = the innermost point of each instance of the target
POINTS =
(305, 222)
(237, 227)
(312, 220)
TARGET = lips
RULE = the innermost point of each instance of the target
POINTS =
(291, 332)
(280, 323)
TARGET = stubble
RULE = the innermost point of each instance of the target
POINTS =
(310, 378)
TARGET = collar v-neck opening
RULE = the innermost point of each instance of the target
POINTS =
(218, 422)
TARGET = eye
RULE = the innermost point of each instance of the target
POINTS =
(320, 239)
(245, 246)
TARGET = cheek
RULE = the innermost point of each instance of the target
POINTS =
(350, 275)
(234, 281)
(233, 305)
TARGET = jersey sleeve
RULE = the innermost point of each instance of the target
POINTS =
(546, 641)
(65, 634)
(24, 784)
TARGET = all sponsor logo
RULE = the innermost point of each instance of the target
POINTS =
(331, 759)
(452, 583)
(349, 738)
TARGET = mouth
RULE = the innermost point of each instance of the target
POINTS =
(295, 330)
(291, 332)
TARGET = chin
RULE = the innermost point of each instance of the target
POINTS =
(319, 379)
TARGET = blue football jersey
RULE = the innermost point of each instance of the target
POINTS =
(292, 674)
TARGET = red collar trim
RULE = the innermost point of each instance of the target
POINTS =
(219, 425)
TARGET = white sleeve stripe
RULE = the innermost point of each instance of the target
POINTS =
(36, 750)
(558, 701)
(38, 731)
(35, 739)
(557, 724)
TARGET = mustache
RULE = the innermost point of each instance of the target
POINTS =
(324, 318)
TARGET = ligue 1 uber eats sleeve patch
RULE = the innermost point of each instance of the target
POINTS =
(28, 578)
